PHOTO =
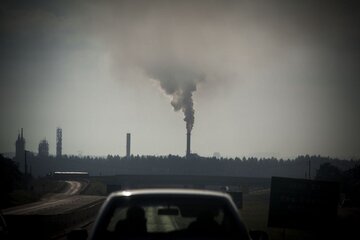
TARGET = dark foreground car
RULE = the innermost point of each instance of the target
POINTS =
(170, 214)
(3, 228)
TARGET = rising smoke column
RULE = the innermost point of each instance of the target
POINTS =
(178, 81)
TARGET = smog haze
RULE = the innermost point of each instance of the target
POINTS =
(250, 78)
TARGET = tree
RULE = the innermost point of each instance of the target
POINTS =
(328, 172)
(10, 178)
(352, 184)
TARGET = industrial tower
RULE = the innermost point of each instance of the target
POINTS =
(58, 142)
(43, 148)
(128, 142)
(20, 151)
(188, 139)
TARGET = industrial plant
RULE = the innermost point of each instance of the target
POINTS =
(43, 148)
(44, 153)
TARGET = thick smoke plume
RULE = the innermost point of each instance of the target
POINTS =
(179, 82)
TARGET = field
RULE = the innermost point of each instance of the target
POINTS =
(255, 213)
(95, 188)
(35, 190)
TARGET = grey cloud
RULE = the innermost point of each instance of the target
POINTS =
(182, 44)
(179, 82)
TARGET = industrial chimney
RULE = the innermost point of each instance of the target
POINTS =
(58, 143)
(188, 136)
(128, 141)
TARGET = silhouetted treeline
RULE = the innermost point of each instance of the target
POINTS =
(349, 181)
(10, 179)
(171, 164)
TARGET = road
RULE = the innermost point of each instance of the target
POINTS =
(74, 188)
(53, 203)
(154, 221)
(164, 223)
(54, 215)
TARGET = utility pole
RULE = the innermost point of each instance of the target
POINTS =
(26, 166)
(27, 176)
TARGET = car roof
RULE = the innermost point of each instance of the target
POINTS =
(169, 191)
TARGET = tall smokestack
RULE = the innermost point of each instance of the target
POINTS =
(188, 137)
(58, 143)
(128, 141)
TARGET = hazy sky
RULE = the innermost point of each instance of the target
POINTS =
(267, 78)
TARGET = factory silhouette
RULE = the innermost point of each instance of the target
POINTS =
(43, 150)
(42, 163)
(21, 154)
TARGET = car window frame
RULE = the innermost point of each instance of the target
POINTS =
(113, 202)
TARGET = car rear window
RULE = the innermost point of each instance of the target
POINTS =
(183, 216)
(162, 218)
